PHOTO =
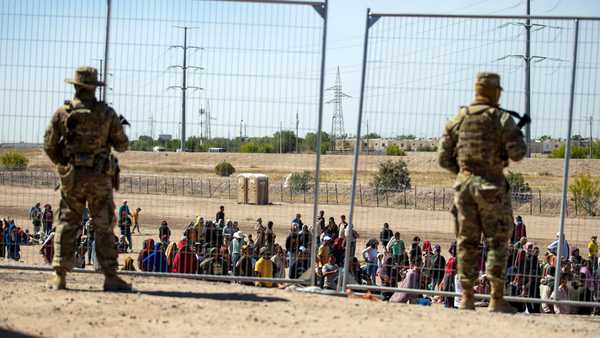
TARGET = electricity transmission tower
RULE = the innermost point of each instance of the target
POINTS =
(528, 59)
(184, 87)
(205, 125)
(337, 120)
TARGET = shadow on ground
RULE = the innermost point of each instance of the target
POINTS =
(222, 296)
(5, 333)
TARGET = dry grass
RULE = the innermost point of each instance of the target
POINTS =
(541, 173)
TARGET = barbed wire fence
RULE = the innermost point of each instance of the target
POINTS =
(418, 70)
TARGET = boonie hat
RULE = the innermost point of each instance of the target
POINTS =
(86, 77)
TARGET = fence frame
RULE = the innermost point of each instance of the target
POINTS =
(321, 7)
(371, 19)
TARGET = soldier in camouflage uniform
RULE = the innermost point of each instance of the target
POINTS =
(476, 146)
(79, 141)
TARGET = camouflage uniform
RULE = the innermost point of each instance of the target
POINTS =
(476, 146)
(78, 141)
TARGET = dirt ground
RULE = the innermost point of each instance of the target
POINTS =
(186, 308)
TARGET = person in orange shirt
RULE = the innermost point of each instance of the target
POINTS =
(136, 220)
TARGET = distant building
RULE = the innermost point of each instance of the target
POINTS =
(379, 145)
(545, 146)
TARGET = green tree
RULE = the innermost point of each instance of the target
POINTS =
(586, 193)
(287, 141)
(576, 152)
(13, 160)
(372, 135)
(406, 137)
(224, 169)
(394, 150)
(301, 182)
(426, 148)
(520, 189)
(310, 141)
(391, 176)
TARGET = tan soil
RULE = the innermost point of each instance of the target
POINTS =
(169, 307)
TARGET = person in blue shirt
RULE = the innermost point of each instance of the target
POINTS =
(156, 261)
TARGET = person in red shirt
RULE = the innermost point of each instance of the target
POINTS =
(519, 231)
(185, 260)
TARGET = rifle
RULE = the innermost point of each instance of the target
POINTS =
(523, 120)
(124, 121)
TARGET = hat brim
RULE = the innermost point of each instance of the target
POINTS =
(86, 85)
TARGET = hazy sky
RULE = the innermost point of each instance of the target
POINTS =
(261, 63)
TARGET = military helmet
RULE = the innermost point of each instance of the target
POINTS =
(86, 77)
(488, 80)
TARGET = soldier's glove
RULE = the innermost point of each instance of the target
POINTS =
(124, 121)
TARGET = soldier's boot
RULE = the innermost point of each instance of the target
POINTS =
(497, 302)
(467, 300)
(58, 280)
(114, 283)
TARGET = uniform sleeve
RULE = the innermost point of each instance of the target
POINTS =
(52, 139)
(117, 137)
(512, 137)
(447, 147)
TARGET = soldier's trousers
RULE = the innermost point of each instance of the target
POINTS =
(481, 208)
(78, 186)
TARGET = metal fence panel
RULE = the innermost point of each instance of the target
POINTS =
(229, 75)
(418, 70)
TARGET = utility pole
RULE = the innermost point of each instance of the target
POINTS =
(280, 132)
(101, 76)
(527, 59)
(297, 125)
(528, 77)
(151, 121)
(591, 136)
(241, 130)
(367, 137)
(184, 87)
(200, 113)
(337, 120)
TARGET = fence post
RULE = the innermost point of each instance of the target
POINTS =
(291, 194)
(183, 186)
(281, 190)
(304, 197)
(326, 193)
(530, 204)
(575, 202)
(361, 194)
(443, 198)
(377, 196)
(387, 199)
(404, 192)
(540, 200)
(336, 195)
(209, 189)
(433, 198)
(229, 188)
(415, 196)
